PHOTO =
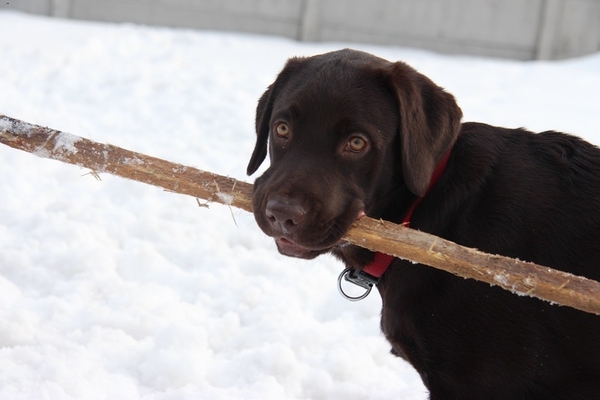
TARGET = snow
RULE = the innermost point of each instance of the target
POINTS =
(65, 143)
(113, 289)
(14, 126)
(5, 124)
(225, 198)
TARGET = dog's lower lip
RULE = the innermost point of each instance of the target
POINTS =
(289, 248)
(285, 241)
(290, 245)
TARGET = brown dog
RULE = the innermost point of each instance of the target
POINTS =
(351, 134)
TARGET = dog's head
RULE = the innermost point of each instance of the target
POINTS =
(348, 133)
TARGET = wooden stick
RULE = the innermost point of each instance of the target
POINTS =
(517, 276)
(62, 146)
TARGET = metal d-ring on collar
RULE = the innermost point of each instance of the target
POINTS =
(359, 278)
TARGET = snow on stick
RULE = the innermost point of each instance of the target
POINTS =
(522, 278)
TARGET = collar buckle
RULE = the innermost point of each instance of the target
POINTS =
(359, 278)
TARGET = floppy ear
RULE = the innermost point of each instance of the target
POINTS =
(263, 115)
(429, 124)
(264, 111)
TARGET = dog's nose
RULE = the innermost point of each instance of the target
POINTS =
(285, 215)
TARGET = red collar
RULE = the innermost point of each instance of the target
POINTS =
(382, 261)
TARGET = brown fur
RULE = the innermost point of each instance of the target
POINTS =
(510, 192)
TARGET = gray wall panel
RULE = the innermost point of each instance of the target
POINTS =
(520, 29)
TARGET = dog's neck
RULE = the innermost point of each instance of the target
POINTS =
(381, 262)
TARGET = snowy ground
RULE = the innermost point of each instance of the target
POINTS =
(116, 290)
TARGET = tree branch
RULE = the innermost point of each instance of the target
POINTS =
(517, 276)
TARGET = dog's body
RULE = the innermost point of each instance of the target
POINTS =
(351, 134)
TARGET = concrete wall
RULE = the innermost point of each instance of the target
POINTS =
(519, 29)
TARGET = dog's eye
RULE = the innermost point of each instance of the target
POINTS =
(282, 130)
(357, 144)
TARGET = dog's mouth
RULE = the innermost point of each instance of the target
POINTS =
(289, 248)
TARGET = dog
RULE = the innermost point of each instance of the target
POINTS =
(349, 134)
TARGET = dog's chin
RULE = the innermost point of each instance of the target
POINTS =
(291, 249)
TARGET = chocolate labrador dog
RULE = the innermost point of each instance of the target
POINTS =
(350, 134)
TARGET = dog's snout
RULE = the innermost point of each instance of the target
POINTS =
(285, 214)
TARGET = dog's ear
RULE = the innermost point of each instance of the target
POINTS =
(263, 115)
(264, 111)
(429, 124)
